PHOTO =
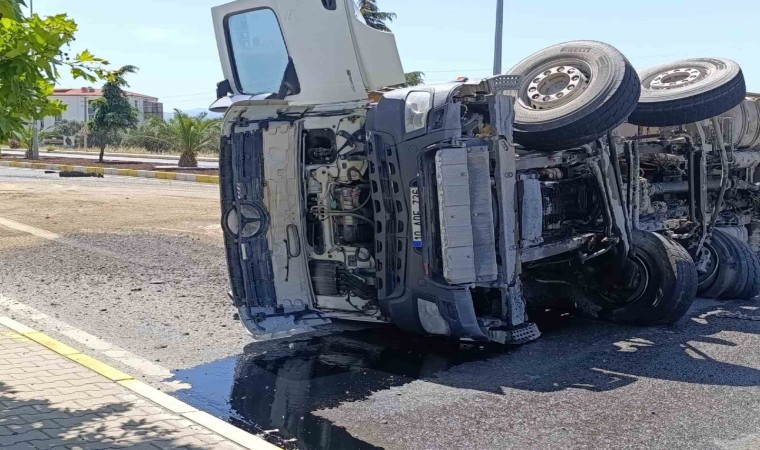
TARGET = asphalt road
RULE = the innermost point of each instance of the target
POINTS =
(137, 158)
(138, 262)
(133, 268)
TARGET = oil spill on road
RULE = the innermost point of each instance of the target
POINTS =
(277, 385)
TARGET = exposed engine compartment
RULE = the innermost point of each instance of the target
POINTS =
(339, 224)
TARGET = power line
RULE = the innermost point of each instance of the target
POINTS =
(206, 93)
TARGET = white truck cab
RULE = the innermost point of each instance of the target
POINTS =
(310, 52)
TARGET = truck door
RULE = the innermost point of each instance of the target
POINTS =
(310, 52)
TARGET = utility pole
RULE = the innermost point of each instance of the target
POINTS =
(499, 37)
(34, 152)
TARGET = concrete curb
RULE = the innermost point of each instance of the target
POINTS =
(107, 154)
(210, 179)
(218, 426)
(132, 155)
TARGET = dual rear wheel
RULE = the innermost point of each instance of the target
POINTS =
(727, 268)
(661, 279)
(656, 286)
(575, 93)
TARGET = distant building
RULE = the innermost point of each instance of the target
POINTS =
(80, 109)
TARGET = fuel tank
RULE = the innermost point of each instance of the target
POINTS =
(746, 122)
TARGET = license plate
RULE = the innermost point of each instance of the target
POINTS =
(416, 218)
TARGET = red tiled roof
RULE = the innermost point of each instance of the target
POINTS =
(90, 92)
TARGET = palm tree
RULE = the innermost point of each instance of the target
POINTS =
(189, 135)
(373, 16)
(26, 137)
(415, 78)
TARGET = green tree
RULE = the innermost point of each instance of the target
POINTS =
(373, 16)
(10, 8)
(377, 19)
(113, 112)
(67, 127)
(415, 78)
(32, 51)
(189, 135)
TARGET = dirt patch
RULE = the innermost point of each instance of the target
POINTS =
(114, 164)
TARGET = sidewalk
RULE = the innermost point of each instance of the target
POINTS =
(106, 154)
(52, 396)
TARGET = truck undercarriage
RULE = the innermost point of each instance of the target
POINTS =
(457, 209)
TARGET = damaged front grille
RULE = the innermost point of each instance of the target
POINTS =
(390, 217)
(241, 171)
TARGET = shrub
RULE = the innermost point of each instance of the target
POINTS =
(147, 136)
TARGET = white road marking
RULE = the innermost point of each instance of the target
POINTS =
(86, 339)
(50, 236)
(13, 225)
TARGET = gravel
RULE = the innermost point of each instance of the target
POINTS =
(139, 264)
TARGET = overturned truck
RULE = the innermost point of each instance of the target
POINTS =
(457, 209)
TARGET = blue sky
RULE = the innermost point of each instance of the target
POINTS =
(172, 41)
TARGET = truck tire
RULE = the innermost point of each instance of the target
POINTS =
(708, 263)
(738, 276)
(752, 263)
(688, 91)
(730, 274)
(573, 94)
(665, 289)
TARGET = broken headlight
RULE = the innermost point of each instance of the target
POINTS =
(418, 104)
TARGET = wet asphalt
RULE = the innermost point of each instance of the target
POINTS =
(156, 287)
(582, 385)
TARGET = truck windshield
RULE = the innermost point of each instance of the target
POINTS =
(259, 56)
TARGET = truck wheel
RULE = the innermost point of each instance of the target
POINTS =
(688, 91)
(723, 257)
(573, 94)
(750, 260)
(708, 264)
(663, 288)
(738, 274)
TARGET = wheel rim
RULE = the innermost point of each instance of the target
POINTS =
(555, 84)
(675, 78)
(707, 265)
(628, 295)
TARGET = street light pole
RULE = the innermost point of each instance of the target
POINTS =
(34, 152)
(499, 37)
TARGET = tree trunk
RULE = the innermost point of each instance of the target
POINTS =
(187, 159)
(34, 149)
(102, 152)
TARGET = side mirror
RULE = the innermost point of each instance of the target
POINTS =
(223, 88)
(220, 105)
